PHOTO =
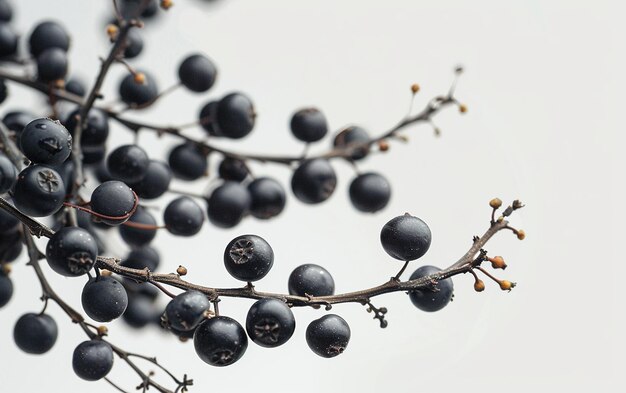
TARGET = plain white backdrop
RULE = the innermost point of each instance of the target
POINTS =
(545, 91)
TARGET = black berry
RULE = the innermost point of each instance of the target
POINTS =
(311, 279)
(188, 162)
(233, 169)
(309, 125)
(8, 174)
(71, 251)
(197, 73)
(186, 311)
(314, 181)
(142, 258)
(355, 139)
(134, 44)
(39, 191)
(35, 333)
(405, 237)
(128, 163)
(270, 323)
(155, 182)
(52, 65)
(228, 204)
(114, 201)
(220, 341)
(6, 289)
(232, 117)
(143, 232)
(328, 336)
(248, 258)
(435, 299)
(104, 299)
(370, 192)
(138, 94)
(8, 41)
(92, 360)
(268, 197)
(45, 141)
(183, 217)
(96, 130)
(48, 35)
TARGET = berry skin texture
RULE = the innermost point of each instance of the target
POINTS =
(232, 117)
(197, 73)
(328, 336)
(128, 163)
(97, 130)
(135, 236)
(220, 341)
(114, 199)
(45, 141)
(71, 251)
(268, 198)
(35, 333)
(155, 182)
(104, 299)
(309, 125)
(186, 311)
(8, 174)
(311, 279)
(406, 237)
(92, 360)
(233, 169)
(188, 162)
(314, 181)
(270, 323)
(138, 95)
(47, 35)
(6, 289)
(248, 258)
(39, 191)
(228, 204)
(370, 192)
(353, 136)
(427, 300)
(52, 65)
(183, 217)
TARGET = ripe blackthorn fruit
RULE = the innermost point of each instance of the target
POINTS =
(270, 323)
(232, 117)
(186, 311)
(8, 41)
(228, 204)
(8, 174)
(233, 169)
(328, 336)
(17, 120)
(353, 138)
(314, 181)
(137, 236)
(405, 237)
(134, 44)
(35, 333)
(220, 341)
(141, 311)
(75, 86)
(6, 11)
(183, 217)
(93, 154)
(141, 258)
(268, 197)
(92, 360)
(248, 258)
(128, 163)
(96, 130)
(52, 65)
(155, 182)
(197, 72)
(104, 298)
(39, 191)
(138, 94)
(309, 125)
(431, 300)
(6, 289)
(45, 141)
(71, 251)
(188, 162)
(311, 279)
(370, 192)
(47, 35)
(115, 200)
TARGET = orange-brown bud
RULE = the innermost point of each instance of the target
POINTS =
(462, 108)
(495, 203)
(521, 234)
(166, 4)
(415, 88)
(479, 285)
(102, 330)
(182, 271)
(506, 285)
(112, 31)
(105, 273)
(497, 262)
(140, 78)
(383, 145)
(6, 269)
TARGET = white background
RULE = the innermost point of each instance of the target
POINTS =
(545, 91)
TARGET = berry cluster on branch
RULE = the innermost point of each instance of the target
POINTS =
(46, 162)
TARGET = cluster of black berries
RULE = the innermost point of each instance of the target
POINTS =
(44, 182)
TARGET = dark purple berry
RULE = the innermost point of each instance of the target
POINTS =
(141, 311)
(248, 258)
(8, 41)
(310, 279)
(220, 341)
(270, 323)
(48, 35)
(138, 95)
(309, 125)
(197, 73)
(228, 204)
(6, 289)
(314, 181)
(96, 129)
(188, 162)
(370, 192)
(183, 217)
(141, 234)
(431, 299)
(128, 163)
(104, 299)
(355, 139)
(328, 336)
(39, 191)
(17, 120)
(186, 311)
(232, 117)
(92, 360)
(406, 237)
(6, 11)
(45, 141)
(142, 258)
(11, 246)
(268, 197)
(71, 251)
(233, 169)
(8, 174)
(114, 201)
(35, 333)
(52, 65)
(134, 44)
(76, 86)
(155, 182)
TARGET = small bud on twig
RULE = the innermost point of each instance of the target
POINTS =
(497, 262)
(462, 108)
(102, 330)
(521, 234)
(415, 88)
(112, 31)
(105, 273)
(479, 285)
(383, 145)
(506, 285)
(166, 4)
(182, 271)
(140, 78)
(495, 203)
